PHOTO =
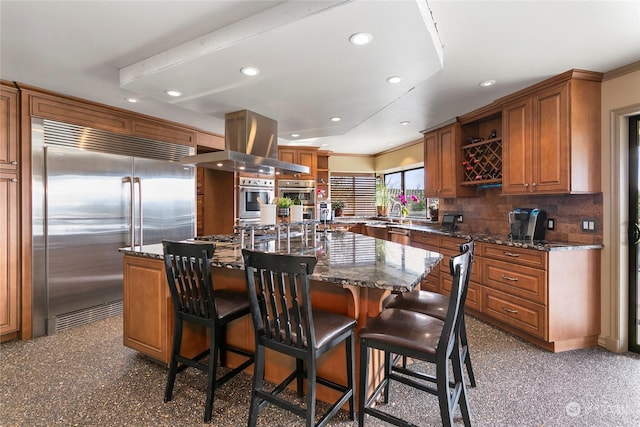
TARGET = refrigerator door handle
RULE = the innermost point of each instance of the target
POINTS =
(128, 180)
(137, 180)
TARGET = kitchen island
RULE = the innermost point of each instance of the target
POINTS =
(353, 275)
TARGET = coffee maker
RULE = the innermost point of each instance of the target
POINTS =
(527, 224)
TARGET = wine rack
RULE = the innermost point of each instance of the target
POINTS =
(482, 162)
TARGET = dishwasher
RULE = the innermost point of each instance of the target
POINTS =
(399, 235)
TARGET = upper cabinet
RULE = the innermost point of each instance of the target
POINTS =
(481, 135)
(306, 156)
(323, 177)
(551, 134)
(442, 163)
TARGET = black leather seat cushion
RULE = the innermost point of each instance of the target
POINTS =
(429, 303)
(403, 328)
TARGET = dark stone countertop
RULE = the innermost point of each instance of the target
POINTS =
(344, 258)
(419, 225)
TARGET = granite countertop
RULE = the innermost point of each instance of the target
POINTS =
(429, 227)
(344, 258)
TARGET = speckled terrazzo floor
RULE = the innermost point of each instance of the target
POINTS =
(86, 377)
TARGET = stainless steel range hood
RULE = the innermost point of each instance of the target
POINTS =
(251, 146)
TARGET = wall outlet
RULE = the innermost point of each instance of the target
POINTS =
(459, 219)
(551, 224)
(588, 225)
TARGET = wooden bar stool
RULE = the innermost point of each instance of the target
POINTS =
(188, 267)
(412, 334)
(284, 321)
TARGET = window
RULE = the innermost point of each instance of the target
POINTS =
(357, 191)
(410, 183)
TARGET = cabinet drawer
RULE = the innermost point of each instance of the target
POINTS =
(473, 294)
(475, 269)
(451, 245)
(430, 283)
(527, 257)
(524, 315)
(421, 238)
(525, 282)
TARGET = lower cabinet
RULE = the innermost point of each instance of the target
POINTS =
(551, 299)
(148, 312)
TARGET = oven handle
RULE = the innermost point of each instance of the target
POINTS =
(297, 189)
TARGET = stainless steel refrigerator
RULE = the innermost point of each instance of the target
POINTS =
(95, 192)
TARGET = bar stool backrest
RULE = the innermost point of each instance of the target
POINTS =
(278, 288)
(460, 266)
(188, 267)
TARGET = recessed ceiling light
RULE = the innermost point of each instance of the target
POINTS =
(250, 71)
(392, 143)
(487, 83)
(394, 79)
(173, 92)
(361, 39)
(405, 123)
(295, 135)
(336, 119)
(219, 165)
(242, 168)
(132, 100)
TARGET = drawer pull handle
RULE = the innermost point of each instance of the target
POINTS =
(508, 310)
(511, 279)
(511, 254)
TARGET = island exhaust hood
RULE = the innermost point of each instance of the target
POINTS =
(251, 146)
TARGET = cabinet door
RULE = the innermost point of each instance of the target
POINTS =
(551, 141)
(431, 164)
(9, 130)
(516, 147)
(287, 155)
(146, 304)
(308, 158)
(448, 167)
(9, 261)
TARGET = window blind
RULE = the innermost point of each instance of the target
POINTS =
(357, 191)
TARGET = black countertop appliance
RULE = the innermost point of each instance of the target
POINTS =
(527, 224)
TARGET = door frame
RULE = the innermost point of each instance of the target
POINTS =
(615, 284)
(634, 146)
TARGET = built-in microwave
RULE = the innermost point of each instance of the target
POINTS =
(302, 189)
(251, 192)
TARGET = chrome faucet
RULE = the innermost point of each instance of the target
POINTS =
(394, 204)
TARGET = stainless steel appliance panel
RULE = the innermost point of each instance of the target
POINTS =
(168, 198)
(93, 193)
(304, 190)
(87, 221)
(249, 190)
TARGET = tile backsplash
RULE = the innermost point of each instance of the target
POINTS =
(489, 213)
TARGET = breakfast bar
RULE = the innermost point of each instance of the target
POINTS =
(353, 275)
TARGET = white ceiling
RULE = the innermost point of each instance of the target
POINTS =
(106, 51)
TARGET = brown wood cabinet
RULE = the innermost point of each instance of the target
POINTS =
(9, 214)
(323, 175)
(551, 135)
(549, 298)
(306, 156)
(162, 131)
(439, 280)
(148, 312)
(443, 164)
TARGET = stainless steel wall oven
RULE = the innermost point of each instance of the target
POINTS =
(249, 191)
(303, 189)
